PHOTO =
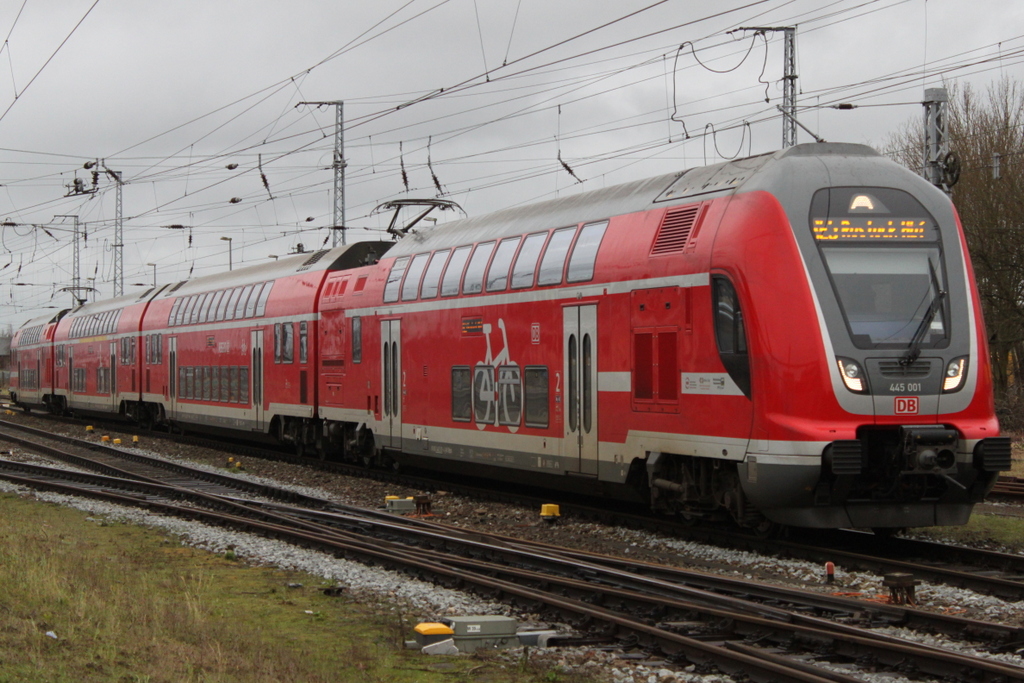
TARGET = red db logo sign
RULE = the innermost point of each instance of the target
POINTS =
(906, 405)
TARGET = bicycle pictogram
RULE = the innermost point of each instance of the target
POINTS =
(497, 386)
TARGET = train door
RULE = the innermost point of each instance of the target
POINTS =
(579, 343)
(391, 382)
(257, 378)
(172, 377)
(71, 375)
(112, 377)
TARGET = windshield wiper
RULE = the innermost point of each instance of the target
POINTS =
(914, 348)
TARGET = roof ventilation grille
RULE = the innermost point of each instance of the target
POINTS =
(313, 259)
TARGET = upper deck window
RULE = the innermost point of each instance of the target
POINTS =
(395, 279)
(526, 262)
(411, 286)
(433, 276)
(261, 305)
(250, 305)
(229, 314)
(553, 263)
(453, 273)
(584, 252)
(242, 300)
(474, 282)
(497, 274)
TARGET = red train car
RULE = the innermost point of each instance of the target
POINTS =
(96, 357)
(238, 351)
(32, 361)
(793, 338)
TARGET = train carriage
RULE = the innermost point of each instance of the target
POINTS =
(792, 338)
(237, 351)
(96, 357)
(32, 361)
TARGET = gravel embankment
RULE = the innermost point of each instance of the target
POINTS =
(428, 601)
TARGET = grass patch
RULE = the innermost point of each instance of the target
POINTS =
(983, 530)
(130, 604)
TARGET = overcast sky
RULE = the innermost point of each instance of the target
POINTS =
(484, 95)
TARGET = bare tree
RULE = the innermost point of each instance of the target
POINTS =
(991, 210)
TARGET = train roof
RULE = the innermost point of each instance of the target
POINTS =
(115, 304)
(339, 258)
(43, 320)
(692, 184)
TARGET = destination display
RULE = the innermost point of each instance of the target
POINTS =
(870, 215)
(872, 229)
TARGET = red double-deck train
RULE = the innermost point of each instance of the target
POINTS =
(790, 338)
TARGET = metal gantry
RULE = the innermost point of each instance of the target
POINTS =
(338, 165)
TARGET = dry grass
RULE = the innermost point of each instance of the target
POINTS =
(128, 604)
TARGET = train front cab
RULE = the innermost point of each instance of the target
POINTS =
(895, 425)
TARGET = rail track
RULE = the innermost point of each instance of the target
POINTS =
(988, 572)
(756, 629)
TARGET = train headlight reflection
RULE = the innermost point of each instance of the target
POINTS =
(956, 371)
(852, 374)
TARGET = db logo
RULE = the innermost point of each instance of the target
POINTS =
(906, 405)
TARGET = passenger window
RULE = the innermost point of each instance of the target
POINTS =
(433, 276)
(242, 299)
(303, 342)
(222, 305)
(288, 342)
(453, 273)
(215, 302)
(474, 282)
(553, 263)
(250, 307)
(395, 279)
(535, 396)
(197, 309)
(187, 313)
(243, 385)
(204, 313)
(261, 306)
(215, 384)
(462, 394)
(525, 262)
(584, 253)
(497, 274)
(277, 342)
(229, 314)
(412, 279)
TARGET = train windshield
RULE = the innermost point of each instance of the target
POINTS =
(883, 254)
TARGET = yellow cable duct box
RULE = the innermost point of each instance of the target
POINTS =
(430, 632)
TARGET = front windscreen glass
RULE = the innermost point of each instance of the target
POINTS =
(884, 258)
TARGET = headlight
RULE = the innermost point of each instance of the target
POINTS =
(853, 376)
(956, 372)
